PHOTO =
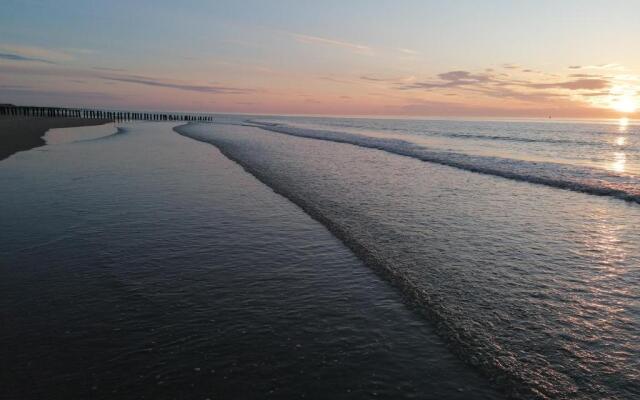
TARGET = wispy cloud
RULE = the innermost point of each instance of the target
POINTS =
(337, 80)
(109, 75)
(18, 57)
(65, 95)
(503, 92)
(577, 84)
(376, 79)
(37, 54)
(148, 81)
(75, 50)
(358, 48)
(510, 66)
(407, 79)
(588, 75)
(109, 69)
(408, 51)
(237, 42)
(449, 80)
(600, 66)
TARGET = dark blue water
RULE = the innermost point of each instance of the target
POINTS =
(535, 285)
(138, 263)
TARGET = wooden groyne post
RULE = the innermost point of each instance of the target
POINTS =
(52, 112)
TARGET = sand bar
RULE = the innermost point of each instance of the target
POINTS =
(24, 133)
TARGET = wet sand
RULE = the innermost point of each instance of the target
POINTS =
(24, 133)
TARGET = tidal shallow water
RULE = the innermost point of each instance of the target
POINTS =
(536, 286)
(138, 263)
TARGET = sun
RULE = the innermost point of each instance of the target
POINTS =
(624, 99)
(625, 103)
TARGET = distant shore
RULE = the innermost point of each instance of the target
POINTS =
(24, 133)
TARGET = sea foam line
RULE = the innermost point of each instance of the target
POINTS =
(580, 179)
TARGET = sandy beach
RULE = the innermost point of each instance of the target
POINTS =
(24, 133)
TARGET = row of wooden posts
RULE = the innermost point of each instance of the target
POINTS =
(27, 111)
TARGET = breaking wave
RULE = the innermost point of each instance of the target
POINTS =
(577, 178)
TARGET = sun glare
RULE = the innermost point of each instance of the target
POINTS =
(625, 104)
(623, 99)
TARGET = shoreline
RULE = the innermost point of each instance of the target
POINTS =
(294, 170)
(25, 133)
(500, 380)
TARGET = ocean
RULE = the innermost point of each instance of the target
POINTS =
(324, 257)
(599, 157)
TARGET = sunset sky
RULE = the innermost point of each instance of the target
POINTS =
(575, 59)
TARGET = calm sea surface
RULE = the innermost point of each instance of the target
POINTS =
(444, 259)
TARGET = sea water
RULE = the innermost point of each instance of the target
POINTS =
(137, 263)
(524, 256)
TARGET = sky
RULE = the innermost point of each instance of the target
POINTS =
(565, 59)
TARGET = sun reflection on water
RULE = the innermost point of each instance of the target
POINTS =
(599, 312)
(623, 124)
(619, 161)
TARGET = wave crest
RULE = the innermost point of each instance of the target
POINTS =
(576, 178)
